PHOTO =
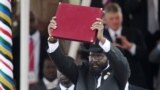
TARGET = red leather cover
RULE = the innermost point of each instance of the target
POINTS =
(74, 22)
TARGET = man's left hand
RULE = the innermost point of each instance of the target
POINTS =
(125, 44)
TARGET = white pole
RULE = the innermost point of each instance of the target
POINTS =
(24, 39)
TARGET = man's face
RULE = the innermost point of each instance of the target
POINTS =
(33, 24)
(49, 71)
(64, 81)
(113, 20)
(97, 62)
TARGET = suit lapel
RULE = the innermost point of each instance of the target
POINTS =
(105, 75)
(42, 86)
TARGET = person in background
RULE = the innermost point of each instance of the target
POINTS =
(49, 80)
(64, 82)
(128, 40)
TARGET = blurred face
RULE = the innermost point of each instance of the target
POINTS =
(97, 62)
(50, 71)
(113, 20)
(64, 81)
(32, 26)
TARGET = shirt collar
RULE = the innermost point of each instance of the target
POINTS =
(50, 85)
(106, 67)
(64, 88)
(113, 32)
(127, 86)
(35, 37)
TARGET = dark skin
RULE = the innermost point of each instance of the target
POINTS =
(32, 27)
(97, 62)
(64, 81)
(49, 70)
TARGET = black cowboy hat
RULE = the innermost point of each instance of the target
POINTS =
(91, 47)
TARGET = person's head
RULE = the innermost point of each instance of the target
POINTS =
(49, 69)
(32, 23)
(113, 17)
(64, 80)
(97, 59)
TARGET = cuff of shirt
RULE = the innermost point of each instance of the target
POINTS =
(106, 46)
(132, 50)
(52, 46)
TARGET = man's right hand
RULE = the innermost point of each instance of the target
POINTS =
(51, 27)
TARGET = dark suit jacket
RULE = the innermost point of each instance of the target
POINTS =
(85, 80)
(58, 87)
(135, 61)
(39, 86)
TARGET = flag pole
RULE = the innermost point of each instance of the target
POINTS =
(6, 57)
(24, 40)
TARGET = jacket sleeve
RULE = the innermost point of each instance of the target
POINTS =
(118, 63)
(65, 64)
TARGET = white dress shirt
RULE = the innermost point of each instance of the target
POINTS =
(64, 88)
(50, 85)
(118, 32)
(33, 75)
(127, 86)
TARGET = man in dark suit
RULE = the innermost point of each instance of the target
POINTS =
(107, 68)
(130, 41)
(49, 81)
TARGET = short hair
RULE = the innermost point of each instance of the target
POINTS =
(112, 7)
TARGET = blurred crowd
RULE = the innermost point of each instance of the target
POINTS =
(137, 35)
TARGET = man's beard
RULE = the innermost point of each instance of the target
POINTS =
(96, 70)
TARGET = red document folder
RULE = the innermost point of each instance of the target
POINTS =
(74, 22)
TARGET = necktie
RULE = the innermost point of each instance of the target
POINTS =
(31, 55)
(115, 37)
